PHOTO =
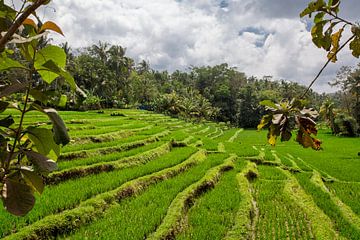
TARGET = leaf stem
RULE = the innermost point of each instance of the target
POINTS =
(18, 132)
(325, 65)
(339, 18)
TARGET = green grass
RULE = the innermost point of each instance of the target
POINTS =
(270, 173)
(106, 158)
(213, 215)
(349, 193)
(70, 193)
(324, 202)
(139, 216)
(286, 209)
(278, 217)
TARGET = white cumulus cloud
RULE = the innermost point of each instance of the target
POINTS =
(259, 37)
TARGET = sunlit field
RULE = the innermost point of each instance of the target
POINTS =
(141, 175)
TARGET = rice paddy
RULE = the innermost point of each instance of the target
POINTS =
(141, 175)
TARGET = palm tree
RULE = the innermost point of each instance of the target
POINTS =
(100, 50)
(327, 113)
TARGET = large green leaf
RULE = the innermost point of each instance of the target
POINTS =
(355, 47)
(18, 198)
(269, 104)
(49, 53)
(313, 7)
(44, 142)
(7, 63)
(51, 66)
(33, 179)
(61, 135)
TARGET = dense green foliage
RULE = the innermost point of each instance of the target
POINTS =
(220, 93)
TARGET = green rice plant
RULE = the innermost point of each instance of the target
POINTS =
(101, 145)
(141, 141)
(348, 192)
(62, 165)
(346, 211)
(270, 173)
(299, 162)
(99, 167)
(214, 213)
(226, 134)
(221, 147)
(174, 220)
(321, 225)
(245, 216)
(110, 136)
(102, 130)
(278, 217)
(153, 130)
(70, 194)
(177, 135)
(139, 216)
(235, 135)
(209, 144)
(324, 202)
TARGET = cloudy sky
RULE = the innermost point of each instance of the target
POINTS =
(259, 37)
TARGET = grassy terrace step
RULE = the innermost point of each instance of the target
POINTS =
(174, 220)
(75, 191)
(105, 150)
(106, 137)
(348, 192)
(279, 217)
(94, 208)
(99, 167)
(103, 130)
(243, 222)
(322, 226)
(235, 136)
(139, 216)
(62, 165)
(76, 149)
(346, 211)
(102, 140)
(214, 213)
(323, 201)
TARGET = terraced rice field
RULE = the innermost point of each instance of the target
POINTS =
(148, 176)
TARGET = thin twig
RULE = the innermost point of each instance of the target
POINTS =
(327, 63)
(339, 18)
(18, 132)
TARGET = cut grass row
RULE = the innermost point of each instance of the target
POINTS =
(279, 217)
(72, 194)
(175, 219)
(110, 147)
(139, 216)
(325, 203)
(62, 165)
(99, 167)
(213, 214)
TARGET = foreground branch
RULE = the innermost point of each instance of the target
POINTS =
(18, 23)
(325, 65)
